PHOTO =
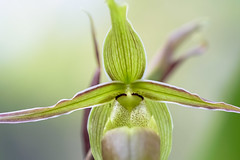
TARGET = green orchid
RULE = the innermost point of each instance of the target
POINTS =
(128, 107)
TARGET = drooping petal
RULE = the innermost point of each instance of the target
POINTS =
(93, 96)
(96, 123)
(123, 52)
(164, 63)
(95, 81)
(93, 32)
(163, 120)
(167, 93)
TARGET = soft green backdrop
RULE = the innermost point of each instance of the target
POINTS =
(46, 54)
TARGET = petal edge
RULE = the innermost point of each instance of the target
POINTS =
(167, 93)
(92, 96)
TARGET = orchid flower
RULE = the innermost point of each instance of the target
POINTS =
(128, 107)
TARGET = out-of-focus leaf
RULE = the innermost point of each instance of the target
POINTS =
(96, 123)
(167, 93)
(93, 96)
(223, 142)
(163, 121)
(123, 53)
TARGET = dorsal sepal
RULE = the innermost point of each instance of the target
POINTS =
(123, 51)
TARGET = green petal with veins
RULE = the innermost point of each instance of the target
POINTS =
(96, 123)
(93, 96)
(163, 120)
(123, 52)
(163, 92)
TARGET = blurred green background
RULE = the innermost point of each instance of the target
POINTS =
(46, 54)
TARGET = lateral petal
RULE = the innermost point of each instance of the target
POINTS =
(93, 96)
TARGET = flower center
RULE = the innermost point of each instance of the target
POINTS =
(129, 101)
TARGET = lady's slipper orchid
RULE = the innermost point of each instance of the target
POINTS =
(128, 100)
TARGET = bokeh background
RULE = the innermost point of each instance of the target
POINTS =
(46, 54)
